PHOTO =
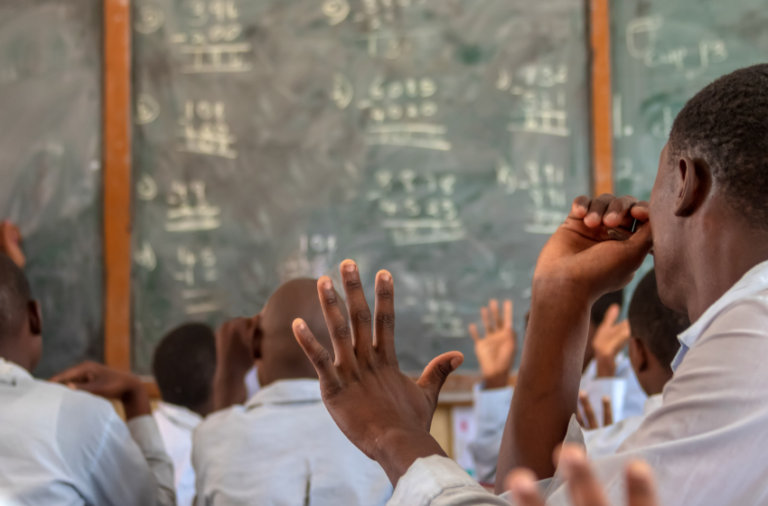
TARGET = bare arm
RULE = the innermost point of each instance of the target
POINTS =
(234, 358)
(581, 261)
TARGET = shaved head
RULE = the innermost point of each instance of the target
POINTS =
(281, 357)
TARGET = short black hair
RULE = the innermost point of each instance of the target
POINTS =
(184, 364)
(600, 307)
(726, 123)
(654, 323)
(15, 295)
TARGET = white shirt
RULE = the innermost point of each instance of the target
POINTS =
(63, 447)
(176, 424)
(606, 441)
(707, 441)
(492, 408)
(282, 449)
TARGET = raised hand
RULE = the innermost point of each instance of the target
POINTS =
(381, 410)
(589, 413)
(609, 340)
(595, 247)
(235, 356)
(10, 243)
(584, 488)
(105, 382)
(496, 351)
(596, 250)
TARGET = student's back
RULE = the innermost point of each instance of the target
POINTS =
(281, 447)
(59, 446)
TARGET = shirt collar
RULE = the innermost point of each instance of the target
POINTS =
(179, 415)
(652, 403)
(287, 392)
(11, 373)
(754, 281)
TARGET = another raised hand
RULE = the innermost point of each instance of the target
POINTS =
(235, 356)
(108, 383)
(584, 488)
(10, 243)
(609, 340)
(591, 420)
(496, 351)
(596, 250)
(382, 411)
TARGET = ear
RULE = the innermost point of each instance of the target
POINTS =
(257, 336)
(638, 355)
(693, 185)
(35, 316)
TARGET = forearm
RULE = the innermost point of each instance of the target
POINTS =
(548, 381)
(397, 450)
(228, 387)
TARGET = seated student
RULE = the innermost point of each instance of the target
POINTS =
(709, 218)
(59, 446)
(282, 447)
(496, 354)
(652, 348)
(183, 366)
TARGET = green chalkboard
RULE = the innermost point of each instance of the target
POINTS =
(50, 163)
(440, 139)
(663, 52)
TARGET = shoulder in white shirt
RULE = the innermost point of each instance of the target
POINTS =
(712, 421)
(282, 448)
(59, 446)
(176, 424)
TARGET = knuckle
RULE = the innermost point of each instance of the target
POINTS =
(361, 316)
(353, 283)
(384, 293)
(322, 359)
(386, 320)
(341, 331)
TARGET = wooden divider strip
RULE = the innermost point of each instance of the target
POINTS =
(602, 148)
(117, 184)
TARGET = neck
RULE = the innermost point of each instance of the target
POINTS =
(719, 257)
(11, 354)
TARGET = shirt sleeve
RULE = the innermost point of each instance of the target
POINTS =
(491, 410)
(147, 436)
(439, 481)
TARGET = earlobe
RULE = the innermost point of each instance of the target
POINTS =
(35, 318)
(693, 185)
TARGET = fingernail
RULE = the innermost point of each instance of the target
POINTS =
(456, 362)
(328, 285)
(350, 267)
(613, 216)
(300, 325)
(385, 276)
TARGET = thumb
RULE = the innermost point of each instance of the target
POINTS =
(434, 375)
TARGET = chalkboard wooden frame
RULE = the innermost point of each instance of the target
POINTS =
(117, 161)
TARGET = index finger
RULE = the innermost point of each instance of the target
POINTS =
(641, 490)
(589, 413)
(584, 487)
(522, 484)
(76, 374)
(341, 337)
(384, 317)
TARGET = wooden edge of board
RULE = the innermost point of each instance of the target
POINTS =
(602, 147)
(117, 184)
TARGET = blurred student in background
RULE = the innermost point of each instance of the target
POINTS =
(59, 446)
(183, 364)
(282, 447)
(606, 372)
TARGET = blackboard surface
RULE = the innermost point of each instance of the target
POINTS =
(50, 162)
(663, 52)
(440, 139)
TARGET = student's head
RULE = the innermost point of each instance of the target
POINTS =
(278, 354)
(596, 316)
(653, 343)
(184, 364)
(21, 340)
(709, 197)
